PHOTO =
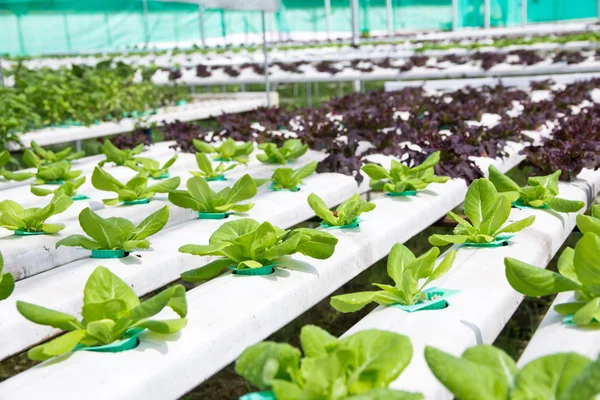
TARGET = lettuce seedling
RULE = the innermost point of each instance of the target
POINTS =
(359, 366)
(151, 168)
(115, 233)
(55, 172)
(291, 179)
(487, 372)
(16, 218)
(48, 156)
(5, 158)
(578, 271)
(135, 189)
(406, 271)
(542, 191)
(245, 243)
(206, 169)
(68, 188)
(110, 310)
(7, 282)
(345, 214)
(200, 197)
(227, 151)
(401, 178)
(118, 156)
(291, 150)
(590, 223)
(487, 211)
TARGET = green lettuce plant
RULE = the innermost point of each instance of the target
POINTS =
(16, 218)
(7, 282)
(135, 189)
(345, 214)
(245, 243)
(542, 191)
(110, 311)
(200, 197)
(402, 178)
(48, 156)
(590, 223)
(486, 372)
(118, 156)
(357, 367)
(54, 172)
(227, 151)
(68, 188)
(291, 150)
(578, 271)
(406, 271)
(151, 168)
(5, 158)
(487, 212)
(290, 179)
(115, 233)
(206, 169)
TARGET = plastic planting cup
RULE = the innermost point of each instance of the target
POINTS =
(353, 224)
(54, 182)
(220, 159)
(259, 396)
(216, 178)
(436, 300)
(80, 197)
(128, 341)
(265, 270)
(274, 189)
(19, 232)
(520, 204)
(109, 253)
(163, 176)
(138, 201)
(501, 240)
(403, 194)
(205, 215)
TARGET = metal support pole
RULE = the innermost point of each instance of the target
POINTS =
(355, 36)
(146, 26)
(356, 86)
(266, 53)
(78, 145)
(389, 17)
(308, 95)
(524, 11)
(201, 20)
(295, 90)
(317, 90)
(487, 14)
(328, 18)
(454, 15)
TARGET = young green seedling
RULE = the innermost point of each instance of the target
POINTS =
(115, 233)
(401, 178)
(291, 179)
(346, 214)
(151, 168)
(7, 282)
(227, 151)
(16, 218)
(487, 211)
(118, 156)
(135, 189)
(486, 372)
(5, 158)
(357, 367)
(207, 171)
(48, 156)
(245, 243)
(578, 271)
(201, 198)
(68, 188)
(291, 150)
(111, 312)
(542, 191)
(406, 271)
(59, 171)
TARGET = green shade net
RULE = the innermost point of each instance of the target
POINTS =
(48, 27)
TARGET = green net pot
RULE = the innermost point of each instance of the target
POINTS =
(264, 270)
(109, 253)
(501, 240)
(259, 396)
(274, 189)
(216, 178)
(18, 232)
(128, 341)
(163, 176)
(436, 299)
(138, 201)
(520, 204)
(79, 197)
(354, 224)
(205, 215)
(403, 194)
(59, 182)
